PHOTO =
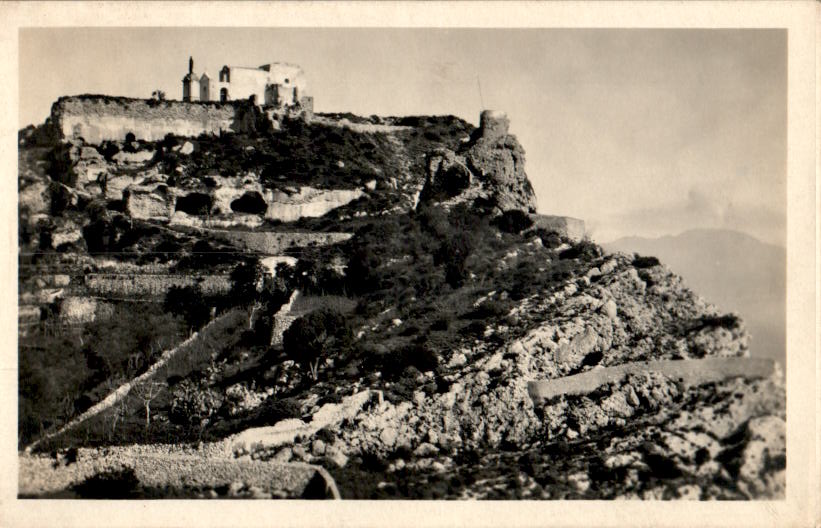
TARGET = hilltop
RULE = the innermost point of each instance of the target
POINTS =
(373, 295)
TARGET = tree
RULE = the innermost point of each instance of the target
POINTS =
(146, 392)
(246, 283)
(190, 303)
(310, 338)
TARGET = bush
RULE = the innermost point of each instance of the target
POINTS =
(112, 484)
(640, 262)
(395, 364)
(274, 410)
(550, 239)
(192, 405)
(584, 250)
(326, 435)
(59, 166)
(474, 329)
(60, 198)
(728, 321)
(513, 221)
(109, 149)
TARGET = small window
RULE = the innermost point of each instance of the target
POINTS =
(286, 80)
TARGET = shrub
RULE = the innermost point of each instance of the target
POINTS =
(550, 239)
(59, 166)
(513, 221)
(274, 410)
(109, 149)
(491, 308)
(60, 198)
(192, 405)
(640, 262)
(112, 484)
(728, 321)
(419, 358)
(584, 250)
(474, 329)
(326, 435)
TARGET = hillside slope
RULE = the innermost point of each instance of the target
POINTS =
(401, 353)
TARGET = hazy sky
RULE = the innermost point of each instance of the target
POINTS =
(638, 132)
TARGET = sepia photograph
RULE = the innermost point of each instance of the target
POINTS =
(402, 263)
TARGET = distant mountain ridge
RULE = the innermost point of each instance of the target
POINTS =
(733, 270)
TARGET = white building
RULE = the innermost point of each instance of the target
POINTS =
(277, 84)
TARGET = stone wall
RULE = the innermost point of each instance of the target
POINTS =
(275, 242)
(100, 118)
(152, 285)
(566, 226)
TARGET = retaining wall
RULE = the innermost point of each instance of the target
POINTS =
(126, 285)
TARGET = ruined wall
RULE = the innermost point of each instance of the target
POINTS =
(100, 118)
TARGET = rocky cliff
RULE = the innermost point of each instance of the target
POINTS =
(490, 166)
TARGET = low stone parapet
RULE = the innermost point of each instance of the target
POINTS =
(565, 226)
(690, 372)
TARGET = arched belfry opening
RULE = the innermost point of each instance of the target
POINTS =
(225, 74)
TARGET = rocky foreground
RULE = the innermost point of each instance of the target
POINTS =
(652, 432)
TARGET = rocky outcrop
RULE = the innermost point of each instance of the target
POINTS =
(490, 166)
(285, 431)
(620, 320)
(307, 203)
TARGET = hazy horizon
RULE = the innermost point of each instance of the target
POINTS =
(638, 132)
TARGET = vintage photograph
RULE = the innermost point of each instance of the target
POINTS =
(402, 263)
